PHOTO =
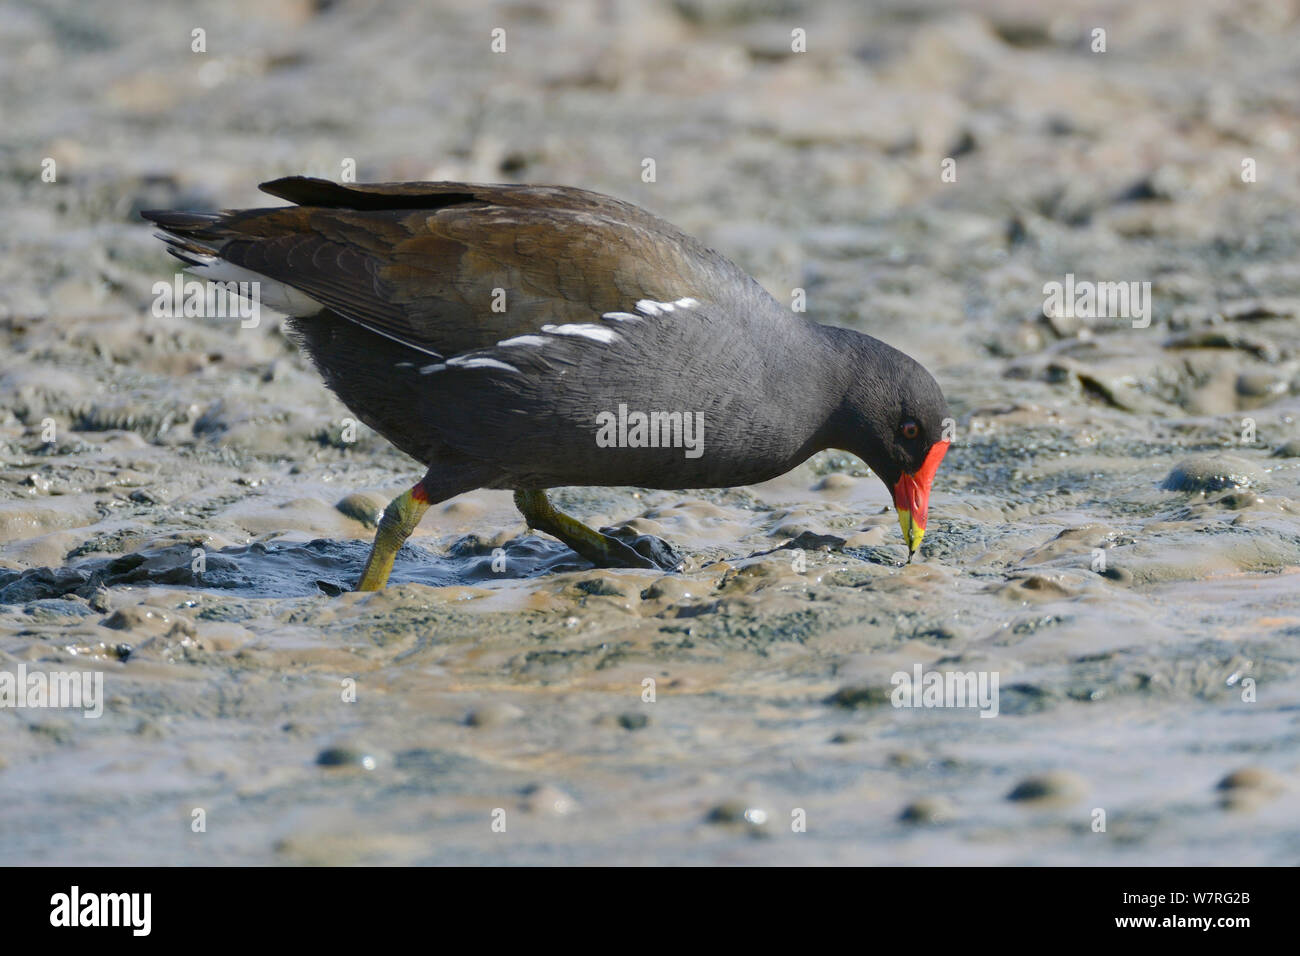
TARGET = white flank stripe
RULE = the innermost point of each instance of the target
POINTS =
(622, 317)
(481, 363)
(596, 333)
(651, 307)
(522, 340)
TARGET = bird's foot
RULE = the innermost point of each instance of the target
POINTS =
(612, 548)
(657, 551)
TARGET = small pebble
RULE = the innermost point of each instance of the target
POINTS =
(346, 756)
(1252, 778)
(928, 810)
(494, 714)
(1053, 787)
(1260, 385)
(855, 696)
(738, 812)
(1249, 787)
(671, 588)
(835, 481)
(543, 798)
(632, 720)
(1210, 473)
(363, 507)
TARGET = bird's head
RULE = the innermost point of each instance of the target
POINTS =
(898, 423)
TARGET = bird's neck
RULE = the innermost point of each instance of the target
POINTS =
(851, 367)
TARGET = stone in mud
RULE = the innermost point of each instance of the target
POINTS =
(362, 506)
(836, 481)
(774, 572)
(38, 482)
(1252, 778)
(855, 696)
(1051, 788)
(1260, 348)
(670, 588)
(1249, 787)
(1290, 449)
(1237, 500)
(39, 583)
(1036, 588)
(494, 714)
(544, 798)
(633, 720)
(1260, 385)
(99, 600)
(1022, 697)
(810, 541)
(1253, 310)
(605, 584)
(58, 610)
(737, 813)
(480, 544)
(1210, 473)
(143, 619)
(345, 756)
(928, 810)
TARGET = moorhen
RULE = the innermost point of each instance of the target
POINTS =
(530, 337)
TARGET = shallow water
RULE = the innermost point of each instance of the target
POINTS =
(1115, 533)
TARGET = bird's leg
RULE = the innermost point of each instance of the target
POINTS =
(399, 520)
(600, 549)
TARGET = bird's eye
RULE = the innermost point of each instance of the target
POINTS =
(910, 430)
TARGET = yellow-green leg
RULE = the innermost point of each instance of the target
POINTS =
(399, 520)
(600, 549)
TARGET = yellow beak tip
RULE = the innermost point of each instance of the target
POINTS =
(912, 533)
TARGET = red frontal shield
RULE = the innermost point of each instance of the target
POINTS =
(912, 493)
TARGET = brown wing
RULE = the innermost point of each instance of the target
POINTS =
(450, 267)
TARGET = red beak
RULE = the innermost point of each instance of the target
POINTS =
(912, 497)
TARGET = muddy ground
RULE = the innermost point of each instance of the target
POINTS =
(1115, 532)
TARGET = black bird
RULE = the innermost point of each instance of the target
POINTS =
(530, 337)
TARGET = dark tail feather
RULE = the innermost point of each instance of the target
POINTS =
(190, 224)
(190, 236)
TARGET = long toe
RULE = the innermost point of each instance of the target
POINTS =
(657, 551)
(613, 553)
